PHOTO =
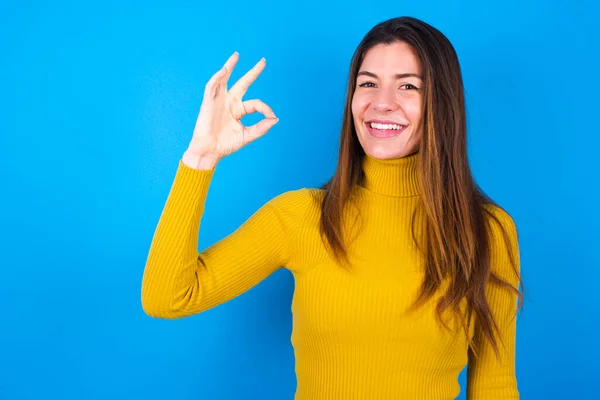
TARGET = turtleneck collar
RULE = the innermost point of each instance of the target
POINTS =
(394, 177)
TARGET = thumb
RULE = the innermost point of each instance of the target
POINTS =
(257, 130)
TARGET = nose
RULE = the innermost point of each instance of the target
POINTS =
(385, 101)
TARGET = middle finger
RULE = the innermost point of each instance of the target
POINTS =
(241, 86)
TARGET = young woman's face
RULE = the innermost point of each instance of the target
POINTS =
(386, 104)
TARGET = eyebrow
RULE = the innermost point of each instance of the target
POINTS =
(397, 76)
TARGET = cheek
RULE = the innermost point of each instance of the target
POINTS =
(412, 109)
(359, 104)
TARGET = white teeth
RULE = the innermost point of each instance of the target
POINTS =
(385, 126)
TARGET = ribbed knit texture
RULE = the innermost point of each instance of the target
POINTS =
(352, 335)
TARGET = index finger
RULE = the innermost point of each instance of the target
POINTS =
(242, 85)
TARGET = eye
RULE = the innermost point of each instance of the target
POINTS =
(365, 84)
(408, 86)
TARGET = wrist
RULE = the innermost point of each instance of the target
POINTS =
(200, 161)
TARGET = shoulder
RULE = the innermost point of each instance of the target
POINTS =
(498, 220)
(295, 205)
(297, 198)
(504, 241)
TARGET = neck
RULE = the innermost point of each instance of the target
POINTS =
(393, 177)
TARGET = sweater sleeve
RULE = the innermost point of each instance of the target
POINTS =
(179, 281)
(487, 377)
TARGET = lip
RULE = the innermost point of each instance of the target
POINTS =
(385, 121)
(384, 134)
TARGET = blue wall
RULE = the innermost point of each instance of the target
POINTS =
(98, 103)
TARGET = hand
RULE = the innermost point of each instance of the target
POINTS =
(218, 131)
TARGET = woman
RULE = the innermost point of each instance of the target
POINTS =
(404, 270)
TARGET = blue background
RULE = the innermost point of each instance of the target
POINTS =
(99, 100)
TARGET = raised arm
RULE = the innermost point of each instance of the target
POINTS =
(487, 377)
(178, 280)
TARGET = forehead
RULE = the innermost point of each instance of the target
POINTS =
(393, 58)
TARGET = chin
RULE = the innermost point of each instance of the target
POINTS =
(387, 151)
(386, 155)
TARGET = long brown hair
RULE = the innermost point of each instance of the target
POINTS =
(454, 210)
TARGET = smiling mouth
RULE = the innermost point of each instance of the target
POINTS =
(384, 130)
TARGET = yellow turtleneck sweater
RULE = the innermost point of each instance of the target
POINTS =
(351, 336)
